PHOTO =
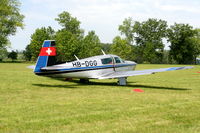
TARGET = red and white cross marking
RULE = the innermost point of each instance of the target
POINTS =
(48, 51)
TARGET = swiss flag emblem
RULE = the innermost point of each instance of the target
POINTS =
(48, 51)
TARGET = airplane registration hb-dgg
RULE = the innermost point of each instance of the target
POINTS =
(104, 66)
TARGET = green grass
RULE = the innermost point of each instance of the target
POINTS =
(170, 103)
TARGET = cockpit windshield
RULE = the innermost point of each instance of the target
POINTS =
(117, 60)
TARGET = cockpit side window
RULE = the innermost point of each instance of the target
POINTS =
(117, 60)
(106, 61)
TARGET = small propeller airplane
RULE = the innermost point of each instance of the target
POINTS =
(104, 66)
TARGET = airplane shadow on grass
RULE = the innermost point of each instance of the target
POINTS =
(94, 83)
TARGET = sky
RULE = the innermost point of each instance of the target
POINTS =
(102, 16)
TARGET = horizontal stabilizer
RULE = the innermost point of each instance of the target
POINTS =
(31, 67)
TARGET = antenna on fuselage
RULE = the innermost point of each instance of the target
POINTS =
(103, 52)
(76, 57)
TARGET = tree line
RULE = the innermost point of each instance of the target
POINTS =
(142, 42)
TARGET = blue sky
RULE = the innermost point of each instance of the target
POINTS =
(102, 16)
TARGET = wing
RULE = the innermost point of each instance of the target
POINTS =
(141, 72)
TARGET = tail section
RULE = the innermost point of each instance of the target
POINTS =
(47, 55)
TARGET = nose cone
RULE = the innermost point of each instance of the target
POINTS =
(134, 62)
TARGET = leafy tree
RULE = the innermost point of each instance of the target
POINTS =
(67, 39)
(91, 45)
(12, 55)
(10, 19)
(127, 29)
(70, 38)
(148, 36)
(69, 23)
(27, 53)
(183, 45)
(67, 45)
(196, 40)
(3, 53)
(37, 39)
(106, 47)
(122, 48)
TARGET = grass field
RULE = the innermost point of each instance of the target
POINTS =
(170, 103)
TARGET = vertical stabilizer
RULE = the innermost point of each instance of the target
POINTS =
(47, 55)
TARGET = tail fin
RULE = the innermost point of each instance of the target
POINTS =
(46, 56)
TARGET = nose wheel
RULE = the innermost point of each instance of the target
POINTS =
(122, 81)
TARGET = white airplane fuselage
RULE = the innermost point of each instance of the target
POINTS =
(88, 68)
(104, 66)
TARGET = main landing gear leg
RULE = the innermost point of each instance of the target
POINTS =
(122, 81)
